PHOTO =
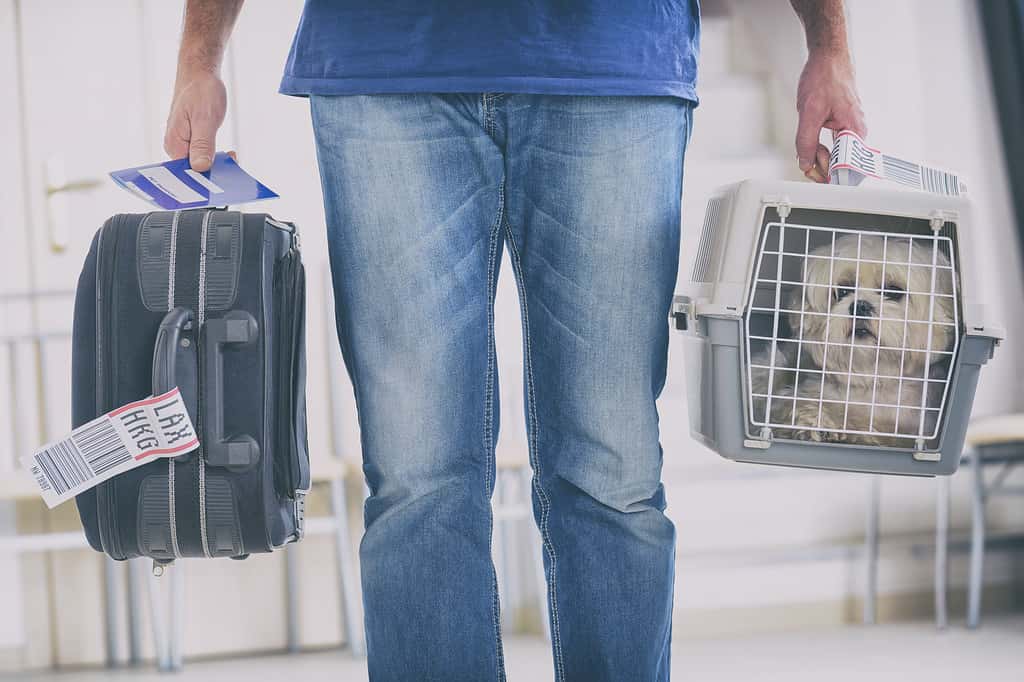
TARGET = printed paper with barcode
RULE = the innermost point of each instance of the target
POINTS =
(116, 442)
(852, 161)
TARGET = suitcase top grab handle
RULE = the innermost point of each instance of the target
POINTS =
(240, 451)
(174, 361)
(169, 353)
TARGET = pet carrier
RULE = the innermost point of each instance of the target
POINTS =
(829, 327)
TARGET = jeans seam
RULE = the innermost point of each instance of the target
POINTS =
(556, 639)
(488, 111)
(489, 423)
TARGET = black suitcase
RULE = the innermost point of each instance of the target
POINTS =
(211, 301)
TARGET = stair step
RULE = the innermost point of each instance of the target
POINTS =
(719, 588)
(771, 514)
(702, 176)
(732, 117)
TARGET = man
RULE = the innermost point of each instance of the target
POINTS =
(447, 131)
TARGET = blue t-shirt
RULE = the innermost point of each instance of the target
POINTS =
(583, 47)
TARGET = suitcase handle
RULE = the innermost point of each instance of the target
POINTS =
(168, 346)
(237, 452)
(174, 361)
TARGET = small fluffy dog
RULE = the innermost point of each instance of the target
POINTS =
(854, 336)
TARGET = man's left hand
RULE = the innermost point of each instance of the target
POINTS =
(826, 98)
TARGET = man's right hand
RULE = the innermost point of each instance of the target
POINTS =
(197, 112)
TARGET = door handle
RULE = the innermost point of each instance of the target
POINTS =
(76, 186)
(56, 189)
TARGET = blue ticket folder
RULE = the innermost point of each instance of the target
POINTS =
(173, 185)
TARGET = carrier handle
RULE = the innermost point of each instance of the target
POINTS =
(238, 452)
(174, 358)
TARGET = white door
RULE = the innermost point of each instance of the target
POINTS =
(84, 116)
(16, 314)
(15, 321)
(83, 73)
(95, 104)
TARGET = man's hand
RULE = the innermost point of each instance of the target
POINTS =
(200, 99)
(197, 112)
(827, 94)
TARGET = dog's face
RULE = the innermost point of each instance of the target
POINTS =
(874, 299)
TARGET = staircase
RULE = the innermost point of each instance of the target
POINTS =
(734, 126)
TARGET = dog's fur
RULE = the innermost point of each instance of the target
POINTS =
(835, 287)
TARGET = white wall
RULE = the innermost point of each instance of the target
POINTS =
(930, 98)
(11, 281)
(796, 536)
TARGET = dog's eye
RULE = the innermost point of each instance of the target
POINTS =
(893, 292)
(843, 292)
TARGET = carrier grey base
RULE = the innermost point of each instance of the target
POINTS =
(718, 420)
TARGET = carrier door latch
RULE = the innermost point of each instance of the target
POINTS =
(682, 310)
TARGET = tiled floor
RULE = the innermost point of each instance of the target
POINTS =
(854, 654)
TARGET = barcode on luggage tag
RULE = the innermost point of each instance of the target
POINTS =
(852, 160)
(112, 444)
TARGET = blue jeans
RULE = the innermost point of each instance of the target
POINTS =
(422, 193)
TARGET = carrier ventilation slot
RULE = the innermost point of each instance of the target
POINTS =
(702, 266)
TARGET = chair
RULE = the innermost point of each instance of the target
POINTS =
(167, 602)
(166, 595)
(991, 441)
(16, 485)
(513, 505)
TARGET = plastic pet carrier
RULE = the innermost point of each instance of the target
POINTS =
(831, 327)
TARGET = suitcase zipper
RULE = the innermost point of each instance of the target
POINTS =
(290, 474)
(105, 505)
(282, 429)
(300, 450)
(172, 518)
(200, 459)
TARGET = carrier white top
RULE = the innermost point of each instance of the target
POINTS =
(719, 279)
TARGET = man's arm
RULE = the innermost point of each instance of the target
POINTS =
(200, 100)
(827, 94)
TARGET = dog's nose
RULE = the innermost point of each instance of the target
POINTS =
(862, 308)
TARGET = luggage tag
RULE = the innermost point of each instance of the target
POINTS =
(173, 185)
(852, 161)
(113, 443)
